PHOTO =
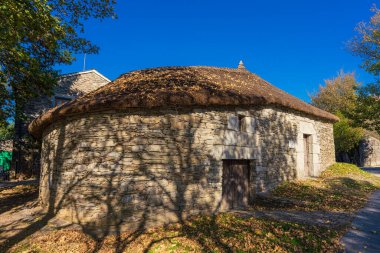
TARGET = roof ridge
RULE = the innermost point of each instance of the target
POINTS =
(188, 67)
(86, 72)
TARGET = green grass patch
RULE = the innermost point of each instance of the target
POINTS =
(341, 187)
(350, 171)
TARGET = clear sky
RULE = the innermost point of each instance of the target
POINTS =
(293, 44)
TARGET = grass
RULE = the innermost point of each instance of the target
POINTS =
(342, 187)
(221, 233)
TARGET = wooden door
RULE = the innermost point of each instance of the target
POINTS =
(235, 183)
(307, 153)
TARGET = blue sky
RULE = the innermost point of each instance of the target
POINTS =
(293, 44)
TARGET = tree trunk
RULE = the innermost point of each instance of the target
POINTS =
(23, 151)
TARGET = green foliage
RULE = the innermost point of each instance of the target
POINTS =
(338, 94)
(367, 111)
(6, 132)
(346, 137)
(367, 43)
(37, 35)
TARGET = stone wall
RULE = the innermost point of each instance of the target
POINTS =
(27, 150)
(280, 146)
(369, 150)
(326, 142)
(149, 167)
(69, 86)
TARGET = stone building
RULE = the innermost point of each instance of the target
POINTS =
(69, 86)
(157, 145)
(6, 145)
(369, 150)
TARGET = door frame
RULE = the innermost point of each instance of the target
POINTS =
(308, 153)
(226, 205)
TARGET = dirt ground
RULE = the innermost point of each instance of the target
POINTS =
(299, 216)
(25, 227)
(20, 213)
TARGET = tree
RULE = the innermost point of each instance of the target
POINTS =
(36, 35)
(338, 94)
(367, 111)
(366, 44)
(346, 137)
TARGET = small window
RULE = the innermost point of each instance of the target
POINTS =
(58, 101)
(242, 126)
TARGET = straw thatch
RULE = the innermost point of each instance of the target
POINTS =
(178, 86)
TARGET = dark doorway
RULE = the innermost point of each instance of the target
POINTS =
(235, 183)
(307, 154)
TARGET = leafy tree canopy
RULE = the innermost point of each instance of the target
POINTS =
(36, 35)
(338, 94)
(367, 45)
(346, 137)
(367, 111)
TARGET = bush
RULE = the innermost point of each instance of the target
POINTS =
(346, 137)
(6, 132)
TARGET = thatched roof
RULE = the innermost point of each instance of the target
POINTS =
(178, 86)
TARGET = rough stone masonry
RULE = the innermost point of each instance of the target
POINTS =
(144, 168)
(157, 145)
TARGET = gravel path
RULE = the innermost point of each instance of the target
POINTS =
(364, 235)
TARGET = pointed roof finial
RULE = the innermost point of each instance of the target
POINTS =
(241, 65)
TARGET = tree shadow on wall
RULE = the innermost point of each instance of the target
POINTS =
(365, 151)
(26, 149)
(152, 172)
(124, 181)
(278, 161)
(134, 172)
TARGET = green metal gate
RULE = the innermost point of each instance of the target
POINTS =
(5, 164)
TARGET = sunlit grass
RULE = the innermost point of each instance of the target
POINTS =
(342, 187)
(221, 233)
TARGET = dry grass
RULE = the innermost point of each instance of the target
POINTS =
(342, 187)
(16, 196)
(221, 233)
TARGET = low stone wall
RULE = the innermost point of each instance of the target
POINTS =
(369, 151)
(143, 168)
